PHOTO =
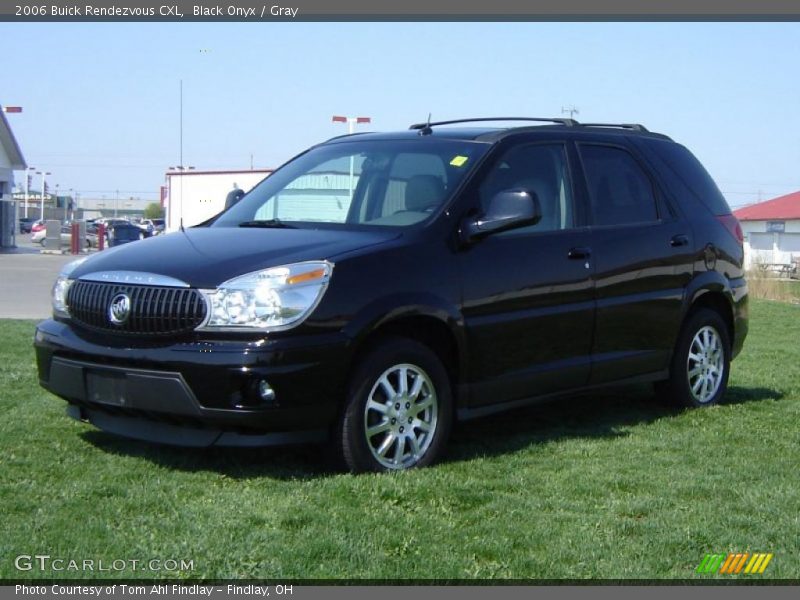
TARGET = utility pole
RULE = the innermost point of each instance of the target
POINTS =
(41, 205)
(27, 187)
(351, 125)
(570, 110)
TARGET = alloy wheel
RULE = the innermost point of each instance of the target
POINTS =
(705, 364)
(400, 416)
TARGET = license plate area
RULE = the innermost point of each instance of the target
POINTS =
(107, 387)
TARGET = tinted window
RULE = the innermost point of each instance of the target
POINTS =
(619, 189)
(541, 169)
(693, 175)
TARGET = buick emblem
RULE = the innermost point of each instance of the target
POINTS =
(120, 309)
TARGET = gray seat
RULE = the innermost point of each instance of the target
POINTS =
(424, 193)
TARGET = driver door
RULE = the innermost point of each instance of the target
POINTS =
(528, 293)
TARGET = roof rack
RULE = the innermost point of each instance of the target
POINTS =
(567, 122)
(631, 126)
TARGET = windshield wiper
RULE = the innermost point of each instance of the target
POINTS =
(274, 223)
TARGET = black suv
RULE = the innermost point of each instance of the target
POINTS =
(379, 286)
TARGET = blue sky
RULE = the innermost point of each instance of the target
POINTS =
(101, 99)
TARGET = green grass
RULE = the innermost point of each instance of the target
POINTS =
(609, 485)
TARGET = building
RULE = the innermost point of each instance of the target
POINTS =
(196, 196)
(109, 206)
(11, 160)
(771, 230)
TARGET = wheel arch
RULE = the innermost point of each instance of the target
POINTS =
(712, 290)
(429, 321)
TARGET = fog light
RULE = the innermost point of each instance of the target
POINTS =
(265, 391)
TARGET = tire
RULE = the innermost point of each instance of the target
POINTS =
(409, 429)
(701, 362)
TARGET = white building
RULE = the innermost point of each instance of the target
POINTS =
(11, 160)
(771, 230)
(196, 196)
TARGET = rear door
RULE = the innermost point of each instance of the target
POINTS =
(527, 293)
(642, 260)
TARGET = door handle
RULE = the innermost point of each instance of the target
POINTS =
(679, 240)
(579, 253)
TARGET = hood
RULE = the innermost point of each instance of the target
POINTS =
(205, 257)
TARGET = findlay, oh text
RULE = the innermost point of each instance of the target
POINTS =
(137, 590)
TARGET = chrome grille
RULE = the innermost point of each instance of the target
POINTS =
(154, 310)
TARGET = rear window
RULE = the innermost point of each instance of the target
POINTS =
(693, 175)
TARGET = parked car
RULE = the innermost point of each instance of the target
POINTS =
(472, 269)
(38, 225)
(25, 224)
(40, 237)
(158, 226)
(119, 233)
(146, 225)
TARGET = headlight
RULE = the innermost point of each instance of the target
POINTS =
(61, 287)
(272, 299)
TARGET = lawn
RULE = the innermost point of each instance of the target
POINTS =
(609, 485)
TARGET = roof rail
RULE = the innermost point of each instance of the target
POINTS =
(631, 126)
(567, 122)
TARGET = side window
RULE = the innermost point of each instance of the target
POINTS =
(542, 169)
(619, 189)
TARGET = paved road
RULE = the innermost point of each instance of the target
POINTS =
(26, 277)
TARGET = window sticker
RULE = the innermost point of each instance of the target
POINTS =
(459, 161)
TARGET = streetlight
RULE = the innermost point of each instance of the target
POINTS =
(43, 174)
(351, 126)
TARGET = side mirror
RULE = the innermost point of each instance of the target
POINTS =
(508, 209)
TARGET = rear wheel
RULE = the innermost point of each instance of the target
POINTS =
(399, 409)
(701, 362)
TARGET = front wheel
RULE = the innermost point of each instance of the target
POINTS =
(399, 409)
(701, 363)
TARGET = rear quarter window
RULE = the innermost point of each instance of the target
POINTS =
(690, 172)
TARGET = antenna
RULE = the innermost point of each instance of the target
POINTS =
(427, 129)
(180, 181)
(570, 110)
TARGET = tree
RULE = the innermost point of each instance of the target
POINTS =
(154, 211)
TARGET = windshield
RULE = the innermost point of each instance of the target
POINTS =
(390, 183)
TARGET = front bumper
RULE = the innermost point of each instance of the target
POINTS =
(197, 393)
